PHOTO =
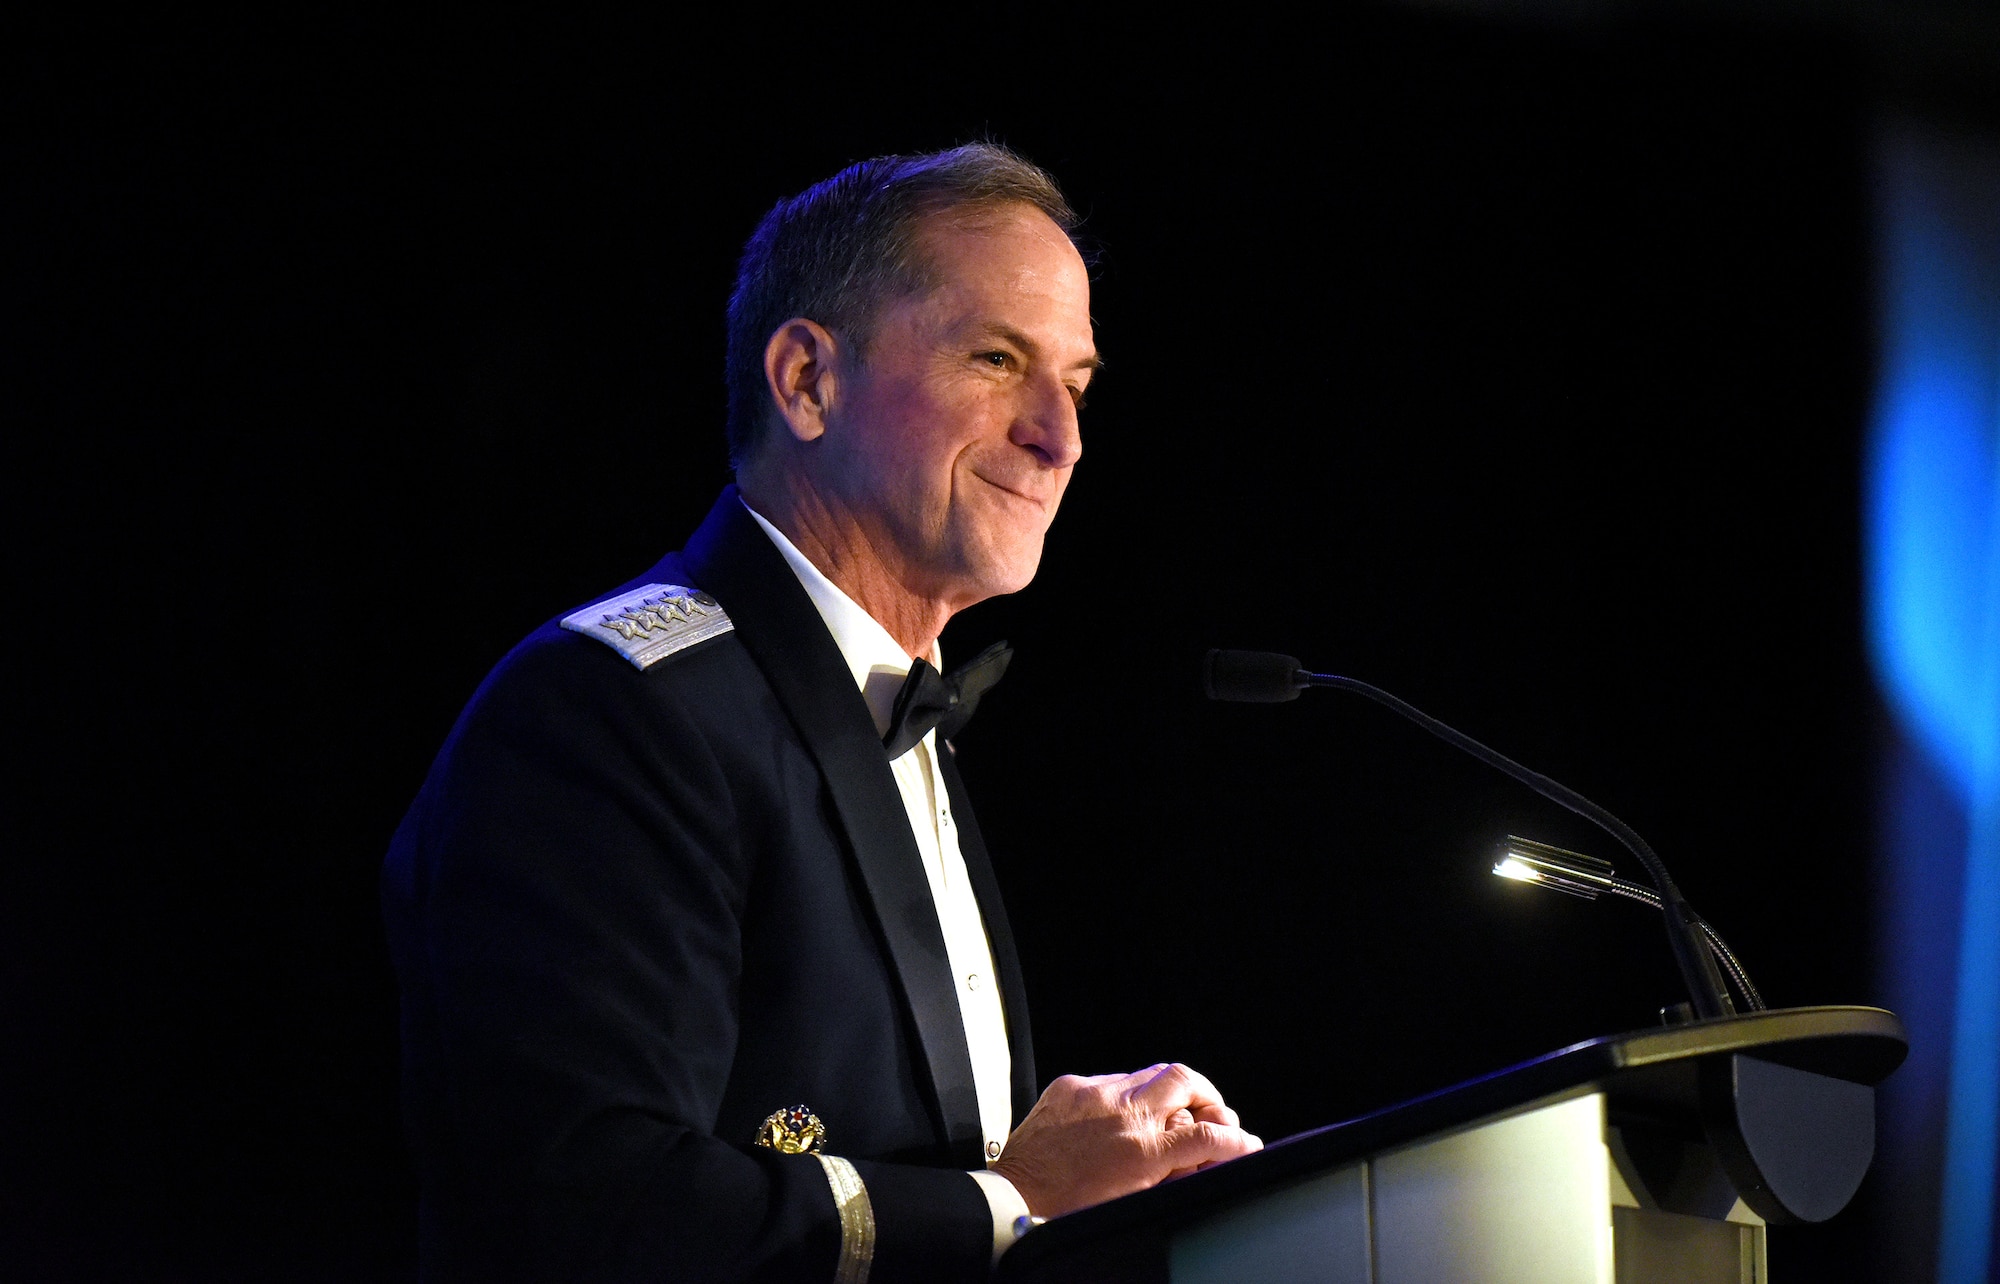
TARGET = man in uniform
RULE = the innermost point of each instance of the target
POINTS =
(705, 972)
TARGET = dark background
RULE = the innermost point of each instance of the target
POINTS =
(1517, 365)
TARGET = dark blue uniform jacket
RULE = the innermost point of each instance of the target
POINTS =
(634, 912)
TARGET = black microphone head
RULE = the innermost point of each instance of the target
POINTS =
(1253, 677)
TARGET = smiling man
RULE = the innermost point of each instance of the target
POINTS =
(705, 970)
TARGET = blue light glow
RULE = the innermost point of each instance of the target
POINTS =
(1934, 602)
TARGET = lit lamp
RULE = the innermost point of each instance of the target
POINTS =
(1574, 874)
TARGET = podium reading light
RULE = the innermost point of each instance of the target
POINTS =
(1263, 677)
(1574, 874)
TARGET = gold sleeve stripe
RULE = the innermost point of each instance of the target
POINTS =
(857, 1220)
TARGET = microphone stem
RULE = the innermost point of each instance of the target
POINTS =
(1697, 965)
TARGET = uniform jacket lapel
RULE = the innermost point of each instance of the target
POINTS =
(731, 559)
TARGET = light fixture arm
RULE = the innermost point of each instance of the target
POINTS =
(1706, 990)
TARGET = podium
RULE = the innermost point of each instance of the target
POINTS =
(1659, 1155)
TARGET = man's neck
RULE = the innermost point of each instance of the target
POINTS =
(847, 554)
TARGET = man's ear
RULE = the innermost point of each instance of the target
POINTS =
(799, 361)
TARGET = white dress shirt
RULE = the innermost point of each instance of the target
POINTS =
(879, 665)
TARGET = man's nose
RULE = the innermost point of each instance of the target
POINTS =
(1048, 426)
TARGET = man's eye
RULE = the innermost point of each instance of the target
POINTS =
(998, 360)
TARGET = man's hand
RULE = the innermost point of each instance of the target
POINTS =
(1096, 1137)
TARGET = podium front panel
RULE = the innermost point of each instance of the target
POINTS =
(1522, 1198)
(1549, 1194)
(1314, 1230)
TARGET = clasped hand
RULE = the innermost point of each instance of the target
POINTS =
(1095, 1137)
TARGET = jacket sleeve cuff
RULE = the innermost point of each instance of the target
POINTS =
(932, 1225)
(857, 1220)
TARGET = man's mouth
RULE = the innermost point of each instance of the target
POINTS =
(1039, 503)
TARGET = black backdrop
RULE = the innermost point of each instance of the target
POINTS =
(1518, 369)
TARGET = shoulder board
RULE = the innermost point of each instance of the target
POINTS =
(649, 624)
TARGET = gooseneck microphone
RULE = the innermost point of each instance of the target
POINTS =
(1263, 677)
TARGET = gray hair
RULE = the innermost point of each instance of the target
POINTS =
(841, 249)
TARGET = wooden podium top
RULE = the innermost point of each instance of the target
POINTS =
(1645, 1074)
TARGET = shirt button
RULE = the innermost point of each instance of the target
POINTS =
(992, 1150)
(972, 981)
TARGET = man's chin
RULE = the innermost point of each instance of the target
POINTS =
(1001, 571)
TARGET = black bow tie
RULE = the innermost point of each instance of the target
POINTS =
(944, 701)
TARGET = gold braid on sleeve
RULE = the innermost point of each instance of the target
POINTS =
(857, 1220)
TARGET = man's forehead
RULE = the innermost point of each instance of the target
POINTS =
(997, 276)
(1016, 242)
(999, 279)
